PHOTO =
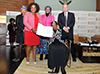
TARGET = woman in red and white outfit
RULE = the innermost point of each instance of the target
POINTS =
(31, 20)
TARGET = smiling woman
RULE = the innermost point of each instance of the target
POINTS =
(31, 20)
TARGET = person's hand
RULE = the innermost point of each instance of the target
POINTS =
(66, 29)
(23, 30)
(14, 27)
(54, 36)
(34, 30)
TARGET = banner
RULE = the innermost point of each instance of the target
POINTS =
(87, 23)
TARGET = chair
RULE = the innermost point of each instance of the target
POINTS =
(81, 39)
(97, 37)
(76, 38)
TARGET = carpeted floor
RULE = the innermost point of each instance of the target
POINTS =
(91, 54)
(41, 67)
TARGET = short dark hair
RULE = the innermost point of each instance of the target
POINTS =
(53, 22)
(37, 7)
(11, 19)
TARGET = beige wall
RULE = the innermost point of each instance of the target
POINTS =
(76, 5)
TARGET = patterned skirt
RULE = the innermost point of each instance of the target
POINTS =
(43, 47)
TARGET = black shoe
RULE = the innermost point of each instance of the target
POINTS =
(41, 57)
(57, 70)
(11, 47)
(46, 56)
(14, 46)
(63, 71)
(74, 60)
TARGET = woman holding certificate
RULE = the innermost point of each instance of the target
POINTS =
(31, 20)
(47, 18)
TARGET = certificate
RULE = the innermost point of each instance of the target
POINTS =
(45, 31)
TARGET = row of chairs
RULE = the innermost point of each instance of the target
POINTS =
(78, 38)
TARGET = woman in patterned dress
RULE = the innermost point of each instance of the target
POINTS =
(47, 18)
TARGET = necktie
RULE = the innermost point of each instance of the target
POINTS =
(65, 20)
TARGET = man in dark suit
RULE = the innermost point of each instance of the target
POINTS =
(66, 21)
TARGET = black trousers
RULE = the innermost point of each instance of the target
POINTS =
(70, 39)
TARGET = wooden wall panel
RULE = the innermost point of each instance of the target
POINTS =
(2, 33)
(2, 28)
(2, 39)
(11, 5)
(30, 1)
(98, 5)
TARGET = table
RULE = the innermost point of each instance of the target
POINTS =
(90, 45)
(79, 53)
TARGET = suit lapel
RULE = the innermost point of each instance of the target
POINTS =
(21, 20)
(68, 18)
(63, 17)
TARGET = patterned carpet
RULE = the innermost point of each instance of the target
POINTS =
(91, 54)
(41, 67)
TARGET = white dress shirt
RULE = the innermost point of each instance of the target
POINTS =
(66, 14)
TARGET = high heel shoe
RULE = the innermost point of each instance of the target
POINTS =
(41, 57)
(27, 62)
(35, 62)
(46, 56)
(57, 70)
(63, 70)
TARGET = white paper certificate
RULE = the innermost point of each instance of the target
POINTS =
(44, 31)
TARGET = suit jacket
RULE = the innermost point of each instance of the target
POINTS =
(10, 28)
(70, 24)
(30, 21)
(19, 23)
(20, 28)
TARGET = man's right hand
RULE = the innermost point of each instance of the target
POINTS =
(66, 29)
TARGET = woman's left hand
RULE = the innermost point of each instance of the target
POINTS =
(54, 36)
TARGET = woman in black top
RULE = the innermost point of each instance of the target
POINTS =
(12, 32)
(20, 27)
